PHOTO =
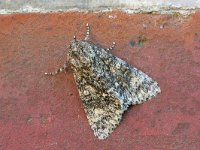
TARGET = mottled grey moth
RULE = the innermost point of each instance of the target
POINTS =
(107, 85)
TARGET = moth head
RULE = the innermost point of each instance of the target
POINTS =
(78, 47)
(78, 54)
(74, 48)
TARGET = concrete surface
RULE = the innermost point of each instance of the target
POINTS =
(39, 112)
(184, 7)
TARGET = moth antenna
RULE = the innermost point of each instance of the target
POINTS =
(113, 45)
(87, 36)
(60, 70)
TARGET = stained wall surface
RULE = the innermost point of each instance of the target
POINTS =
(40, 112)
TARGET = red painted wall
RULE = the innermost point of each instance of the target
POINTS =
(40, 112)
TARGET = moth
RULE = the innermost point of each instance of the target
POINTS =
(107, 85)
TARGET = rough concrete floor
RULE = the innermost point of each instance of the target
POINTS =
(39, 112)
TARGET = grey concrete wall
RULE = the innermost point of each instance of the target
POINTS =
(162, 6)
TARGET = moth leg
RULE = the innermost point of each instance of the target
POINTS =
(113, 45)
(60, 70)
(87, 36)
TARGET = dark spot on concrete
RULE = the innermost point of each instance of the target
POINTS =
(196, 104)
(157, 111)
(188, 111)
(70, 94)
(49, 28)
(132, 43)
(199, 133)
(196, 37)
(181, 127)
(141, 41)
(28, 118)
(136, 131)
(43, 118)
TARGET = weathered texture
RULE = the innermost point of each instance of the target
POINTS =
(160, 6)
(37, 112)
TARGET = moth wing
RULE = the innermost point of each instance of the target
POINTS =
(104, 112)
(134, 86)
(128, 84)
(107, 86)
